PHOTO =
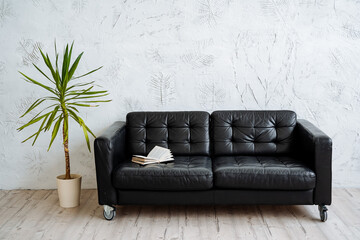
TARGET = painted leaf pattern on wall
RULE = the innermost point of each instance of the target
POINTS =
(29, 51)
(162, 87)
(5, 11)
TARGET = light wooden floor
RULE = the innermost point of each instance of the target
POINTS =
(30, 214)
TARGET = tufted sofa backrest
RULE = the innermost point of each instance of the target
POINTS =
(252, 132)
(184, 133)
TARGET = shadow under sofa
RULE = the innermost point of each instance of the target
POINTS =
(226, 158)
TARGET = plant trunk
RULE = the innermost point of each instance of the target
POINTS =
(66, 147)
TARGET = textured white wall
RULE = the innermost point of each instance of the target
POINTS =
(183, 55)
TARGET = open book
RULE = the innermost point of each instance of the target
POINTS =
(156, 155)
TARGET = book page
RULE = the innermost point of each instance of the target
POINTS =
(156, 155)
(143, 157)
(159, 153)
(149, 162)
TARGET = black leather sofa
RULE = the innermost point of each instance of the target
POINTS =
(228, 157)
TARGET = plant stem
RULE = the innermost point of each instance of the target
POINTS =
(66, 145)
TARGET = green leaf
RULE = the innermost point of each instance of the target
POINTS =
(56, 62)
(84, 93)
(48, 64)
(78, 92)
(39, 84)
(86, 137)
(88, 73)
(58, 81)
(79, 85)
(83, 105)
(71, 48)
(43, 73)
(53, 98)
(36, 133)
(51, 119)
(52, 105)
(65, 63)
(95, 101)
(40, 129)
(32, 121)
(55, 131)
(81, 122)
(90, 131)
(44, 57)
(34, 105)
(30, 137)
(74, 66)
(91, 96)
(74, 116)
(38, 114)
(55, 47)
(94, 92)
(55, 74)
(74, 108)
(56, 59)
(66, 78)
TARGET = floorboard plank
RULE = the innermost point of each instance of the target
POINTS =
(16, 202)
(23, 217)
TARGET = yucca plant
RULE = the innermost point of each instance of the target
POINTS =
(66, 95)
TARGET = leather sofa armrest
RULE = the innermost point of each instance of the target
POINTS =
(316, 147)
(110, 149)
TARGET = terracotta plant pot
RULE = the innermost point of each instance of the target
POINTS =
(69, 190)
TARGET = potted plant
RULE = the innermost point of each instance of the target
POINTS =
(66, 94)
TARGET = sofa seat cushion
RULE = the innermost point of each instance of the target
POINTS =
(262, 172)
(184, 173)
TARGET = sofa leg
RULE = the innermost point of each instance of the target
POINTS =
(109, 212)
(323, 212)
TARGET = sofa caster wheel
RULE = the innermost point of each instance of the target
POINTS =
(323, 212)
(109, 212)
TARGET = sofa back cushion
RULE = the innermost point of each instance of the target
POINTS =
(252, 132)
(184, 133)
